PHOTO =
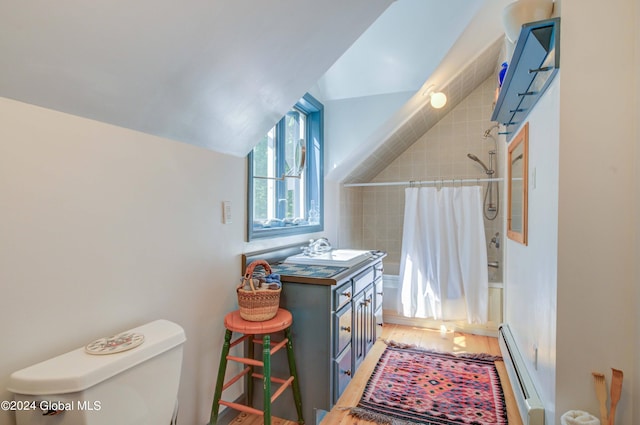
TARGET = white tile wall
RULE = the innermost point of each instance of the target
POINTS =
(441, 153)
(420, 122)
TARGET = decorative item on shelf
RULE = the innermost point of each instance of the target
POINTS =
(501, 74)
(259, 293)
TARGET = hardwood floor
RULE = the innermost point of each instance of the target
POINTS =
(427, 338)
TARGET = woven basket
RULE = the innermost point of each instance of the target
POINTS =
(257, 305)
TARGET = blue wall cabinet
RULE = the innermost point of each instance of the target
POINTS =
(535, 62)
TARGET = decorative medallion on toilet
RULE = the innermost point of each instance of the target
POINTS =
(115, 344)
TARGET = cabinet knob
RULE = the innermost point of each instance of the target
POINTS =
(345, 328)
(347, 294)
(347, 372)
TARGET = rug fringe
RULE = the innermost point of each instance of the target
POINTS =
(473, 356)
(378, 418)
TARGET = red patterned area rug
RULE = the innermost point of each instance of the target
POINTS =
(415, 386)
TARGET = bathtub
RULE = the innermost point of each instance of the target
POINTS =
(391, 307)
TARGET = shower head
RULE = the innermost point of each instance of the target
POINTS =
(487, 132)
(476, 159)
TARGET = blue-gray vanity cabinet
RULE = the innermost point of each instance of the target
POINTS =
(334, 326)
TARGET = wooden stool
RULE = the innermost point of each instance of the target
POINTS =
(234, 323)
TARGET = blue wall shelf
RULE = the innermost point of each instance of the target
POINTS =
(535, 62)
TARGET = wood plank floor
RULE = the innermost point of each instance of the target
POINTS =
(427, 338)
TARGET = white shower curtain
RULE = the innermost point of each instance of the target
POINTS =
(443, 268)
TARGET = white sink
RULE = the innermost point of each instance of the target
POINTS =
(336, 257)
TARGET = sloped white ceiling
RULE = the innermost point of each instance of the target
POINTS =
(400, 50)
(474, 34)
(213, 73)
(418, 118)
(220, 73)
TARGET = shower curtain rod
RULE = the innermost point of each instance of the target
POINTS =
(425, 182)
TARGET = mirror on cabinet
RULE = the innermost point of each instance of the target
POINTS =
(518, 161)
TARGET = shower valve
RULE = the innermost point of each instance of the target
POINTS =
(495, 240)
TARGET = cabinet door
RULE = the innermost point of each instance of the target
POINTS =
(369, 319)
(378, 324)
(378, 294)
(359, 346)
(342, 295)
(341, 374)
(378, 308)
(342, 331)
(363, 279)
(378, 270)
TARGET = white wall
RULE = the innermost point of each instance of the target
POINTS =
(531, 271)
(104, 229)
(597, 190)
(581, 311)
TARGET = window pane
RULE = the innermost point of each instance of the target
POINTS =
(285, 175)
(315, 179)
(264, 164)
(295, 128)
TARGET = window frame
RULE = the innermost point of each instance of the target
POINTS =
(313, 170)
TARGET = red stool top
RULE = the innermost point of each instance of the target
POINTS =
(235, 323)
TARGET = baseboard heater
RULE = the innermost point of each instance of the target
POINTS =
(529, 404)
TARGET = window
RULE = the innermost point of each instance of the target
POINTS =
(286, 175)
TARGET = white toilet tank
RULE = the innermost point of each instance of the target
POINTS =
(138, 386)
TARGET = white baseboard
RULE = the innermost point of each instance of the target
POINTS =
(488, 329)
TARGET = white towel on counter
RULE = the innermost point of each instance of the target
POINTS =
(578, 417)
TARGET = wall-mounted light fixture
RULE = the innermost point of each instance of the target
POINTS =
(437, 99)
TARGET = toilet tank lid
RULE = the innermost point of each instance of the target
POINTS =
(76, 370)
